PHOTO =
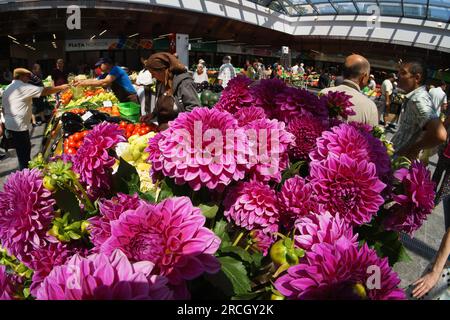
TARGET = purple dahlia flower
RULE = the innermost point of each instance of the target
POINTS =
(339, 104)
(170, 234)
(296, 199)
(337, 272)
(26, 212)
(204, 148)
(236, 95)
(306, 130)
(415, 202)
(7, 284)
(93, 162)
(252, 205)
(269, 144)
(264, 93)
(101, 277)
(347, 186)
(261, 241)
(246, 115)
(110, 210)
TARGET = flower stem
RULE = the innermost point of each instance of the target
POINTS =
(239, 237)
(247, 247)
(85, 196)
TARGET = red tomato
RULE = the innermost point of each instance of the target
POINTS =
(71, 138)
(85, 133)
(79, 143)
(78, 136)
(143, 131)
(130, 127)
(123, 124)
(73, 144)
(71, 151)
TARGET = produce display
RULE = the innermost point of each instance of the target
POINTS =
(269, 194)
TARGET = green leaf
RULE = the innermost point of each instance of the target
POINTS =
(148, 196)
(236, 273)
(220, 229)
(124, 179)
(257, 259)
(68, 202)
(241, 253)
(209, 211)
(73, 235)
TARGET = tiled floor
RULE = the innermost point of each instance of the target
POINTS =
(431, 232)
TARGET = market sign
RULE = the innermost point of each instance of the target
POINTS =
(204, 47)
(107, 44)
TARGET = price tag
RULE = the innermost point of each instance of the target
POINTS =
(86, 116)
(107, 104)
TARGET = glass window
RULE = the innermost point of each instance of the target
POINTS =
(305, 10)
(391, 9)
(345, 7)
(439, 13)
(325, 8)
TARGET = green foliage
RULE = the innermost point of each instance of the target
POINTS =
(65, 229)
(209, 211)
(126, 179)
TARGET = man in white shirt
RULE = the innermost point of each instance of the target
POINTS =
(439, 98)
(200, 75)
(17, 109)
(372, 84)
(143, 82)
(294, 69)
(226, 72)
(387, 88)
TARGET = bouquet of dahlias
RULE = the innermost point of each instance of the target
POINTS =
(266, 196)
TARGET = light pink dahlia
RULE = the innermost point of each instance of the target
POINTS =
(93, 162)
(306, 130)
(269, 143)
(347, 186)
(100, 226)
(339, 104)
(252, 205)
(204, 148)
(415, 201)
(322, 227)
(170, 234)
(102, 277)
(26, 211)
(236, 95)
(264, 93)
(337, 272)
(246, 115)
(293, 103)
(356, 143)
(296, 199)
(7, 284)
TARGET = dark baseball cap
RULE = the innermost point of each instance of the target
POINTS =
(102, 61)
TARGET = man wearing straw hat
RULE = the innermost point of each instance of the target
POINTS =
(17, 110)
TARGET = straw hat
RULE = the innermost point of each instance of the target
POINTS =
(20, 72)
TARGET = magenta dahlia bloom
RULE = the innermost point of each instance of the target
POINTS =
(337, 272)
(100, 226)
(261, 241)
(204, 148)
(252, 205)
(296, 199)
(306, 130)
(415, 201)
(269, 143)
(26, 211)
(7, 285)
(246, 115)
(264, 93)
(170, 234)
(357, 144)
(292, 103)
(339, 104)
(323, 228)
(347, 186)
(93, 162)
(102, 277)
(236, 95)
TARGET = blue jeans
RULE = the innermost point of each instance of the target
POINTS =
(446, 203)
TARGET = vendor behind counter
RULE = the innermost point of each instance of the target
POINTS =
(116, 78)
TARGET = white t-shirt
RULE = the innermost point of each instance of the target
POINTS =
(294, 69)
(372, 84)
(17, 104)
(144, 78)
(386, 87)
(439, 98)
(199, 78)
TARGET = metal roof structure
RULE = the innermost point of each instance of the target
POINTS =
(437, 10)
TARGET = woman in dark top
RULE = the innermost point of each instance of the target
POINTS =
(175, 89)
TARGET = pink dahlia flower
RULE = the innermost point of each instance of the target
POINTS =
(236, 95)
(101, 277)
(347, 186)
(26, 211)
(170, 234)
(264, 93)
(336, 272)
(204, 148)
(323, 228)
(7, 285)
(293, 103)
(296, 199)
(339, 104)
(415, 202)
(100, 226)
(261, 241)
(306, 130)
(246, 115)
(252, 205)
(93, 162)
(269, 143)
(358, 145)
